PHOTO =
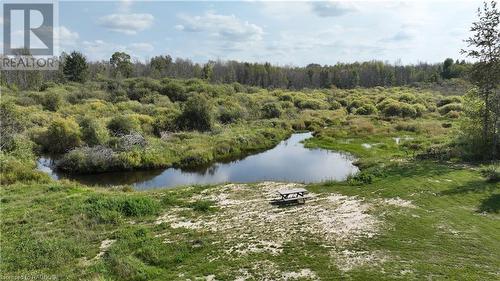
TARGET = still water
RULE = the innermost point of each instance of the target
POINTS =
(289, 161)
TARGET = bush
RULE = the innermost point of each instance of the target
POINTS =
(491, 172)
(407, 98)
(407, 110)
(453, 114)
(360, 178)
(419, 109)
(450, 107)
(197, 114)
(62, 135)
(448, 100)
(52, 101)
(89, 159)
(366, 109)
(174, 90)
(165, 122)
(230, 113)
(202, 205)
(392, 109)
(93, 132)
(123, 125)
(271, 110)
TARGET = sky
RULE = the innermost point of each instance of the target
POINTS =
(285, 33)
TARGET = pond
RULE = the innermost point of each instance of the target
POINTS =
(289, 161)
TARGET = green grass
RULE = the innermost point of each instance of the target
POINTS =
(52, 228)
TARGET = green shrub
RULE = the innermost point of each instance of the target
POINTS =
(365, 109)
(450, 107)
(407, 98)
(202, 205)
(89, 160)
(93, 132)
(62, 135)
(407, 110)
(230, 112)
(123, 125)
(448, 100)
(360, 178)
(174, 90)
(392, 109)
(196, 115)
(52, 101)
(491, 172)
(453, 114)
(271, 110)
(419, 109)
(165, 121)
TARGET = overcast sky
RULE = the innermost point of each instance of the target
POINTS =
(295, 33)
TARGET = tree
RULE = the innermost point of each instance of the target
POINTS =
(120, 61)
(484, 47)
(197, 114)
(75, 67)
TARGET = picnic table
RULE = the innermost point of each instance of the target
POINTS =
(291, 196)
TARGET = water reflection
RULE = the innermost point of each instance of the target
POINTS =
(288, 161)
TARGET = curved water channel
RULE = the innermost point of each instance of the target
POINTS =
(289, 161)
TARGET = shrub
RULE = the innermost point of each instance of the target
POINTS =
(334, 105)
(366, 109)
(407, 98)
(453, 114)
(202, 205)
(392, 109)
(491, 172)
(52, 101)
(450, 107)
(271, 110)
(308, 104)
(197, 114)
(128, 142)
(360, 178)
(123, 125)
(93, 132)
(448, 100)
(230, 112)
(62, 135)
(89, 159)
(12, 122)
(407, 110)
(419, 109)
(165, 122)
(174, 90)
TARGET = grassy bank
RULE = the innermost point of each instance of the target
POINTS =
(421, 220)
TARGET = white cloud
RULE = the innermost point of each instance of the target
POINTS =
(102, 50)
(232, 32)
(331, 8)
(141, 47)
(127, 23)
(64, 36)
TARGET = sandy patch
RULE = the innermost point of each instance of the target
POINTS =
(247, 223)
(398, 202)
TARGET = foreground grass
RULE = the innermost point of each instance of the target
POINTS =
(57, 229)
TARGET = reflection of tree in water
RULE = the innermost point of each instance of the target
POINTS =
(115, 178)
(203, 171)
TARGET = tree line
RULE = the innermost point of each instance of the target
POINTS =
(75, 67)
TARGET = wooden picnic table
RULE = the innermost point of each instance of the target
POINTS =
(288, 196)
